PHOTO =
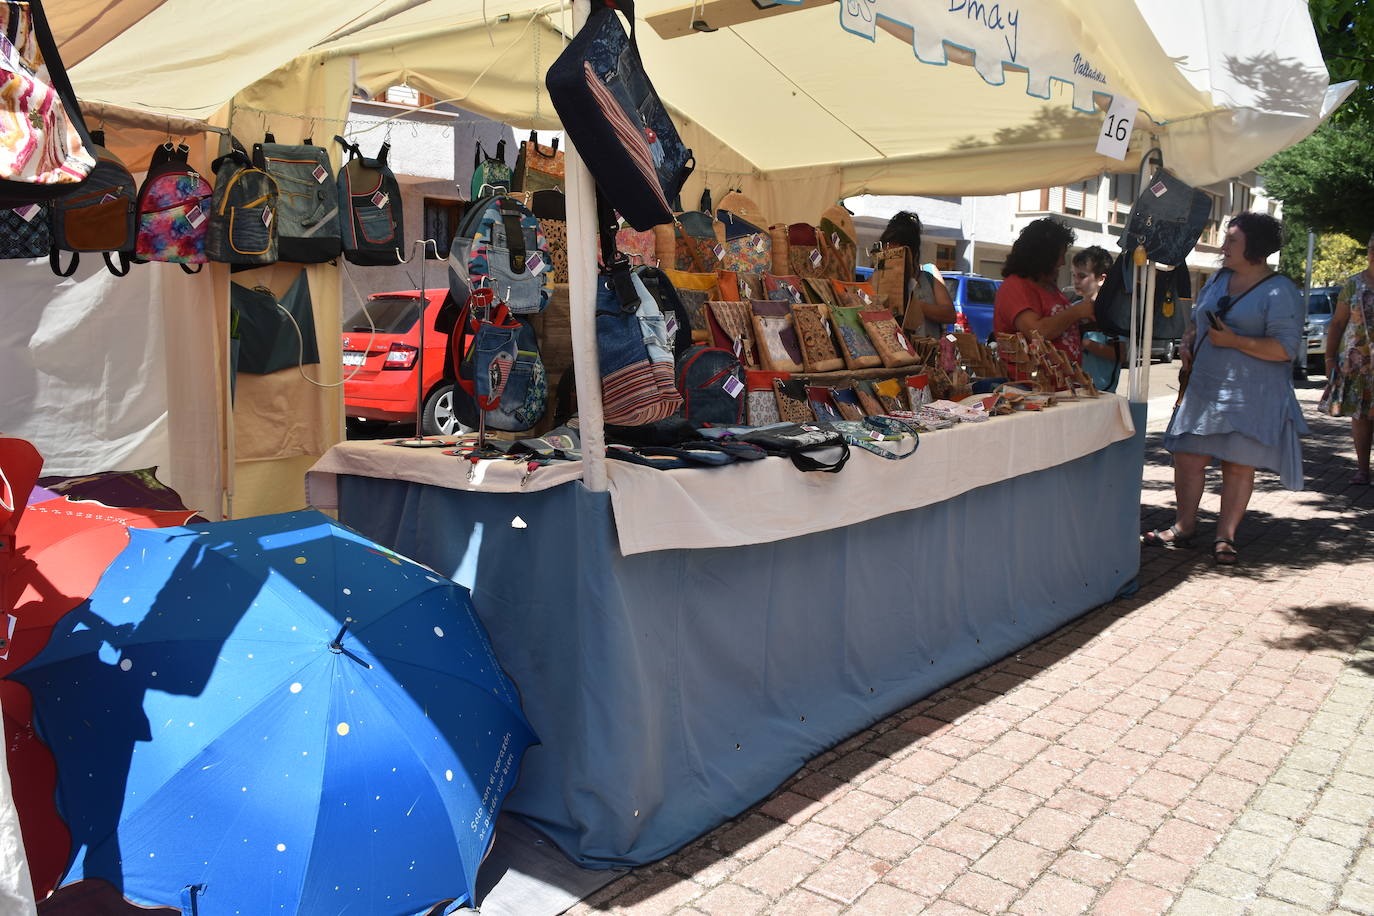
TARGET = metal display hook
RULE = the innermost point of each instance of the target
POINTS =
(420, 440)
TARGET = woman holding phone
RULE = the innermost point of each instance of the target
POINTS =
(1238, 408)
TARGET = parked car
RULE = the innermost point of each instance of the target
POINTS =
(380, 368)
(973, 297)
(1321, 305)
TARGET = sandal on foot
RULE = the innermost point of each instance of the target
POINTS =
(1224, 552)
(1176, 537)
(1361, 479)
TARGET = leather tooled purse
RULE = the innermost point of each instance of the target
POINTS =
(892, 345)
(779, 348)
(784, 288)
(858, 351)
(817, 343)
(793, 406)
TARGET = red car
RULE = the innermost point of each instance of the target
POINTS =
(380, 368)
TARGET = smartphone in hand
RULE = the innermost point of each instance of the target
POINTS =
(1214, 320)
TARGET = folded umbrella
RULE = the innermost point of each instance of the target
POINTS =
(277, 715)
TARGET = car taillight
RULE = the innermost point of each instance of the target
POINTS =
(400, 356)
(961, 322)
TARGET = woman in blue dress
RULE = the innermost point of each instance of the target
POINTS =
(1238, 408)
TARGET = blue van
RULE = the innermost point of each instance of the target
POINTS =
(973, 297)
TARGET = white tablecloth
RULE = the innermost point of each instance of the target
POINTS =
(761, 501)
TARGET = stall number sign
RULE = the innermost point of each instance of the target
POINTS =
(1115, 134)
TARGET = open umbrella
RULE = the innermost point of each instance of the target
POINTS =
(61, 549)
(276, 715)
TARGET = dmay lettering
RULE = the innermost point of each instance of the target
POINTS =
(992, 18)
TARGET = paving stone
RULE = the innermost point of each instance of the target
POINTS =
(804, 903)
(1317, 858)
(777, 871)
(981, 893)
(1301, 890)
(731, 900)
(927, 871)
(1128, 897)
(845, 877)
(1053, 895)
(886, 900)
(1358, 897)
(1227, 882)
(1195, 902)
(1112, 838)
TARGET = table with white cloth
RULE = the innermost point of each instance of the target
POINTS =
(686, 641)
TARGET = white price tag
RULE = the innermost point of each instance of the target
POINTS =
(195, 217)
(760, 243)
(29, 212)
(1115, 134)
(267, 216)
(835, 239)
(719, 251)
(733, 386)
(379, 200)
(863, 294)
(794, 293)
(670, 325)
(535, 263)
(320, 174)
(815, 257)
(1159, 189)
(739, 347)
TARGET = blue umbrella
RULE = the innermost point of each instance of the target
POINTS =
(276, 715)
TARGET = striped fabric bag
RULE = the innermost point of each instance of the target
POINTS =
(638, 379)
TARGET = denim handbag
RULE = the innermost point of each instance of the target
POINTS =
(1167, 218)
(617, 121)
(637, 371)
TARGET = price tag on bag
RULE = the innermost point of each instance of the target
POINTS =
(535, 262)
(379, 200)
(267, 217)
(733, 386)
(863, 294)
(815, 257)
(760, 242)
(320, 174)
(29, 212)
(195, 216)
(739, 347)
(835, 239)
(670, 325)
(1115, 134)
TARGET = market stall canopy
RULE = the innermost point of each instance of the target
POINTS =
(860, 92)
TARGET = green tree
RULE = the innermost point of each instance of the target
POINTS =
(1337, 257)
(1345, 31)
(1326, 182)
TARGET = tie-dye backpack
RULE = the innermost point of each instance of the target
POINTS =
(173, 210)
(499, 245)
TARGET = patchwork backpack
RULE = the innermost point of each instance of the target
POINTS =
(499, 244)
(497, 367)
(711, 381)
(173, 210)
(98, 216)
(307, 201)
(243, 213)
(370, 208)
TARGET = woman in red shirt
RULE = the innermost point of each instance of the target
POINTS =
(1029, 298)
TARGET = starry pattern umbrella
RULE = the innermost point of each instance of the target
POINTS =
(276, 715)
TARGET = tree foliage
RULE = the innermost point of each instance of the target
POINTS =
(1337, 257)
(1326, 182)
(1345, 31)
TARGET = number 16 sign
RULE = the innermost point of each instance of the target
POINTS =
(1115, 135)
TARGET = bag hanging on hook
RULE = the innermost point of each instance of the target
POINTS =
(1168, 216)
(100, 215)
(173, 210)
(370, 208)
(490, 174)
(243, 212)
(47, 151)
(308, 206)
(611, 112)
(538, 168)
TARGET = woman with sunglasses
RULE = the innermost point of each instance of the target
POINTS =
(1238, 407)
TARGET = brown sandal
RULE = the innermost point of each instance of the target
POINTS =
(1176, 537)
(1224, 552)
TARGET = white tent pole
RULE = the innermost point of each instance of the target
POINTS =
(1133, 351)
(1148, 334)
(582, 280)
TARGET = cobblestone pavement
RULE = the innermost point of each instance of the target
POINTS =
(1203, 747)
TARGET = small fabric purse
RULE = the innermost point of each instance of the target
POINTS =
(818, 289)
(490, 174)
(732, 328)
(805, 256)
(856, 348)
(793, 406)
(752, 253)
(847, 400)
(538, 168)
(837, 246)
(889, 393)
(891, 276)
(783, 288)
(867, 398)
(817, 343)
(761, 406)
(823, 403)
(892, 345)
(24, 238)
(639, 247)
(779, 348)
(852, 294)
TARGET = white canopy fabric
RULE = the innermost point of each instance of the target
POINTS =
(823, 89)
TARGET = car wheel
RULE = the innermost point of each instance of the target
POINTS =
(1170, 351)
(438, 418)
(362, 428)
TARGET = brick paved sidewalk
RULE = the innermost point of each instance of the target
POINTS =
(1204, 747)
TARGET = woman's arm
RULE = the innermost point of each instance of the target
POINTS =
(1266, 348)
(1335, 330)
(1051, 326)
(942, 309)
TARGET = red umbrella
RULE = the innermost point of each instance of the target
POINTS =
(61, 550)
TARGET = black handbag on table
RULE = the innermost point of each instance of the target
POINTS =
(617, 121)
